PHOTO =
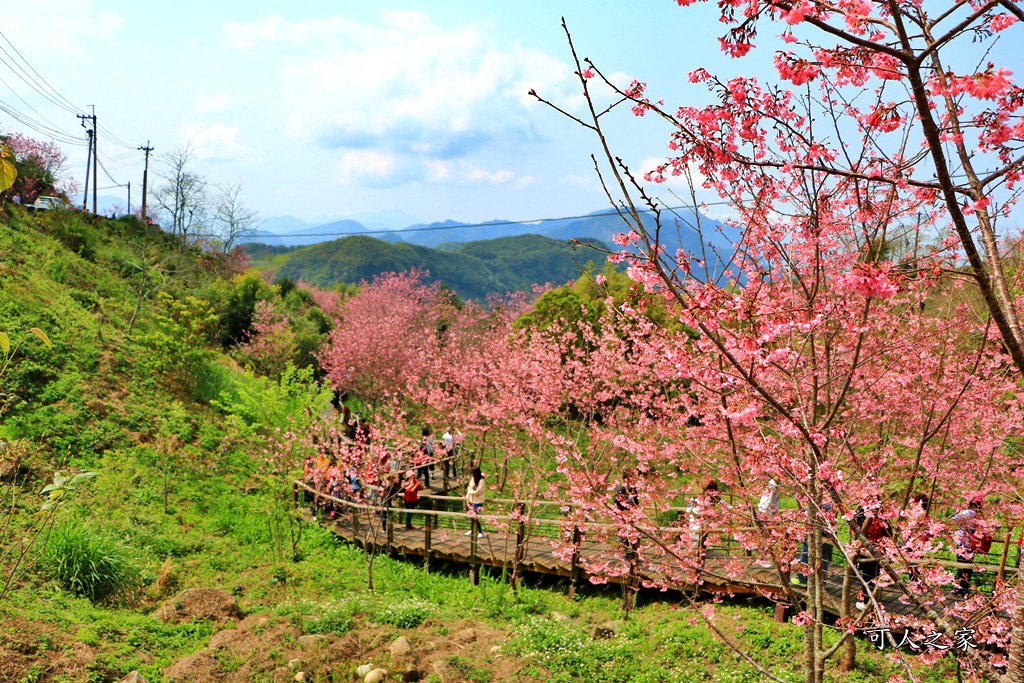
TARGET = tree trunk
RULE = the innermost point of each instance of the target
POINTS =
(848, 660)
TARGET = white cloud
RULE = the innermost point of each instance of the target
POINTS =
(214, 143)
(210, 104)
(59, 26)
(375, 169)
(415, 95)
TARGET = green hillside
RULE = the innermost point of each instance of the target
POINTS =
(474, 269)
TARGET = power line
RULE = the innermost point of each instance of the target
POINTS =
(73, 108)
(36, 126)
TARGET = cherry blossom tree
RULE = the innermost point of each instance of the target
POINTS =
(821, 358)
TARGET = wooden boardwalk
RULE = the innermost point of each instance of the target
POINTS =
(441, 534)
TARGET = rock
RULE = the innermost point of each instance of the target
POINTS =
(429, 646)
(301, 677)
(294, 664)
(402, 647)
(441, 669)
(608, 629)
(313, 641)
(467, 635)
(496, 650)
(361, 671)
(200, 603)
(411, 674)
(8, 468)
(558, 616)
(280, 674)
(133, 677)
(375, 676)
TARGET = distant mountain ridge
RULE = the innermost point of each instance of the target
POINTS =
(679, 231)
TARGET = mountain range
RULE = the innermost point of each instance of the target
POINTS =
(475, 260)
(678, 231)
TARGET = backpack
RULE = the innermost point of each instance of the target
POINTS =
(980, 542)
(876, 530)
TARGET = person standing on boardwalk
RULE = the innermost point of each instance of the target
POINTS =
(392, 487)
(449, 452)
(965, 541)
(411, 495)
(476, 493)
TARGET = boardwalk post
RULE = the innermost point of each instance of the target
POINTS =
(391, 530)
(474, 570)
(517, 560)
(355, 528)
(295, 493)
(1002, 559)
(444, 476)
(574, 565)
(426, 541)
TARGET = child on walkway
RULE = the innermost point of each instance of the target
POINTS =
(476, 492)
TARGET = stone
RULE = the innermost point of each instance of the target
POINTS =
(133, 677)
(294, 664)
(313, 641)
(411, 674)
(375, 676)
(608, 629)
(301, 677)
(467, 635)
(364, 669)
(558, 616)
(402, 647)
(441, 670)
(496, 650)
(280, 674)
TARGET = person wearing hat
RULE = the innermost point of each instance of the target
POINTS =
(411, 495)
(962, 537)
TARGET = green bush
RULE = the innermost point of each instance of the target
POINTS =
(408, 613)
(87, 563)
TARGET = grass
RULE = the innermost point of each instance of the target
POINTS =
(102, 402)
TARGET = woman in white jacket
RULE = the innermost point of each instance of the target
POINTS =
(476, 493)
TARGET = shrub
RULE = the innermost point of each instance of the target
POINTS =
(87, 563)
(409, 613)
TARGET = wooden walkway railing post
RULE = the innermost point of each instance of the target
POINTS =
(474, 568)
(574, 564)
(426, 540)
(355, 527)
(295, 493)
(1002, 558)
(517, 559)
(391, 529)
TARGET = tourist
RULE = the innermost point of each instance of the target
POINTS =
(769, 503)
(966, 544)
(411, 495)
(392, 487)
(449, 453)
(476, 492)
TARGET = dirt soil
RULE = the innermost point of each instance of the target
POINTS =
(263, 647)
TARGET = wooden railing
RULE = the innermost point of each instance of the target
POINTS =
(530, 526)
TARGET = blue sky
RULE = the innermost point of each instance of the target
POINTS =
(330, 109)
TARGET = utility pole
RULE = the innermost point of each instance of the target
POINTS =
(88, 162)
(129, 198)
(145, 177)
(95, 158)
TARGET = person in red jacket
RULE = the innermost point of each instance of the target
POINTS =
(411, 494)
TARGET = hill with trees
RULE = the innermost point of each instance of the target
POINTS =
(474, 270)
